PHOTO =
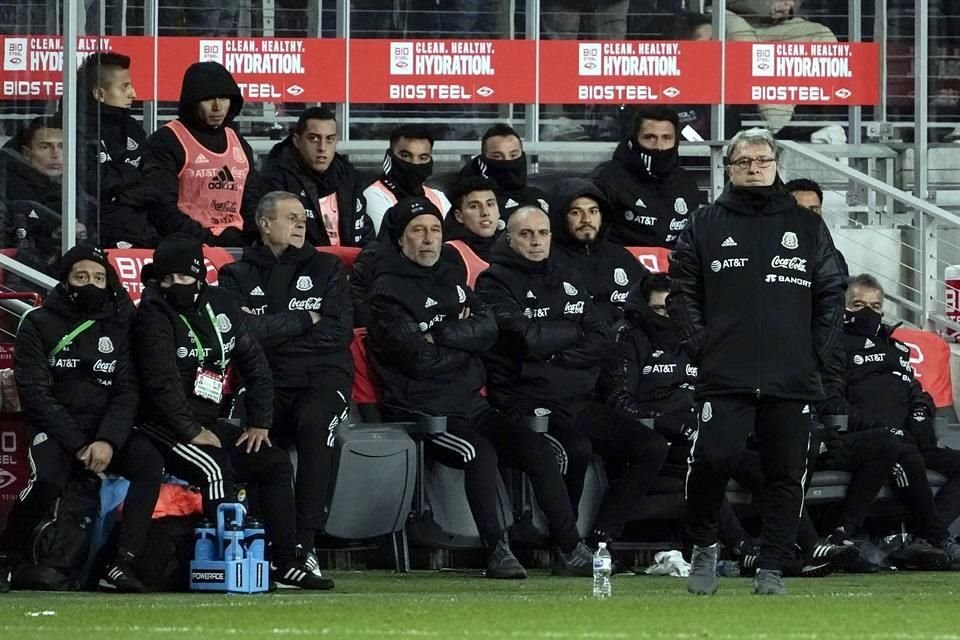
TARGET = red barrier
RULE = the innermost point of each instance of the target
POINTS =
(930, 359)
(656, 259)
(129, 263)
(14, 470)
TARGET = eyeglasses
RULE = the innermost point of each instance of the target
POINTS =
(743, 164)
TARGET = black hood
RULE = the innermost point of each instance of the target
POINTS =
(660, 330)
(564, 193)
(503, 255)
(453, 229)
(205, 80)
(757, 201)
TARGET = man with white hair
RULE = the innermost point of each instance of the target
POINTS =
(759, 352)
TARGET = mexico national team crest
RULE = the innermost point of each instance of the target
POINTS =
(105, 345)
(789, 240)
(680, 206)
(620, 277)
(239, 155)
(223, 323)
(707, 412)
(569, 289)
(304, 283)
(461, 294)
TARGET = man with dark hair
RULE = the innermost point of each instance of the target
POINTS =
(307, 164)
(187, 337)
(299, 305)
(75, 375)
(580, 217)
(503, 162)
(807, 193)
(427, 331)
(406, 166)
(473, 224)
(202, 169)
(547, 360)
(651, 194)
(33, 163)
(111, 147)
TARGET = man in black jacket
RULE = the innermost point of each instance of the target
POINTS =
(757, 291)
(111, 147)
(580, 216)
(503, 161)
(473, 224)
(427, 331)
(299, 302)
(548, 357)
(77, 382)
(199, 169)
(186, 337)
(651, 194)
(331, 190)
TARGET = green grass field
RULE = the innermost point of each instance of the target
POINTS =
(452, 605)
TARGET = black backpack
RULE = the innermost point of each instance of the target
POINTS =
(60, 544)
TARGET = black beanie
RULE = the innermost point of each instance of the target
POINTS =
(399, 215)
(83, 251)
(177, 253)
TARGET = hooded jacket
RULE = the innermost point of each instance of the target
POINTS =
(653, 376)
(551, 346)
(608, 270)
(509, 198)
(281, 291)
(168, 361)
(757, 292)
(442, 376)
(648, 211)
(284, 170)
(88, 390)
(165, 156)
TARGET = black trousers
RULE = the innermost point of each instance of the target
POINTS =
(870, 457)
(51, 466)
(947, 462)
(216, 470)
(782, 430)
(309, 418)
(633, 453)
(481, 444)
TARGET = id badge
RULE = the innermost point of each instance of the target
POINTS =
(208, 385)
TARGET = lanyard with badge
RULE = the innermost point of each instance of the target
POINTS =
(68, 339)
(209, 383)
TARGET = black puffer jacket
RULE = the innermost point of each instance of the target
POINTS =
(283, 170)
(608, 269)
(441, 376)
(167, 359)
(281, 291)
(758, 294)
(88, 391)
(551, 346)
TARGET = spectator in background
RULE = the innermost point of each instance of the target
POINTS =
(306, 163)
(651, 194)
(473, 225)
(406, 166)
(773, 21)
(503, 162)
(33, 164)
(200, 168)
(111, 147)
(808, 194)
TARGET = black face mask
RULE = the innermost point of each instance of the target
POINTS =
(508, 174)
(183, 297)
(655, 163)
(88, 298)
(866, 321)
(408, 177)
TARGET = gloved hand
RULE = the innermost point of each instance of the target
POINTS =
(231, 237)
(920, 424)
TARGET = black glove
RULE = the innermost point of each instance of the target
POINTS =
(230, 237)
(921, 425)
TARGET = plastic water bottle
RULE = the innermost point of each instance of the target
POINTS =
(253, 537)
(205, 546)
(602, 567)
(233, 537)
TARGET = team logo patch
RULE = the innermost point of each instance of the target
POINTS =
(706, 412)
(182, 352)
(569, 289)
(789, 240)
(501, 225)
(238, 155)
(105, 345)
(40, 438)
(540, 411)
(680, 206)
(132, 144)
(620, 277)
(304, 283)
(223, 323)
(461, 294)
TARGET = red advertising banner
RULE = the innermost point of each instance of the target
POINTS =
(664, 72)
(33, 65)
(267, 69)
(128, 263)
(842, 73)
(442, 71)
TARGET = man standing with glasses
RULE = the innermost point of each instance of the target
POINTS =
(759, 352)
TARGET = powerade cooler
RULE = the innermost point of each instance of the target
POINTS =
(230, 558)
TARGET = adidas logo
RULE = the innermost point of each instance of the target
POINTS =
(201, 159)
(530, 295)
(729, 242)
(257, 291)
(430, 303)
(640, 203)
(868, 344)
(33, 215)
(510, 203)
(223, 180)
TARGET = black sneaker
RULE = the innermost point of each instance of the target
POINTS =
(119, 576)
(4, 575)
(920, 555)
(302, 572)
(503, 565)
(837, 556)
(578, 562)
(952, 549)
(749, 554)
